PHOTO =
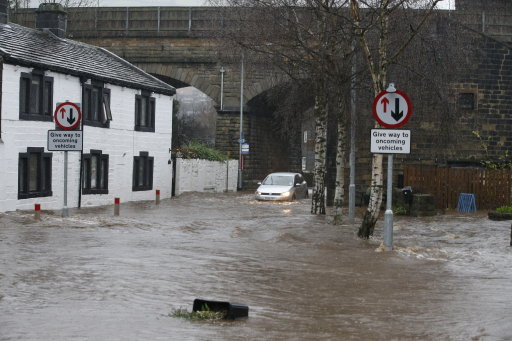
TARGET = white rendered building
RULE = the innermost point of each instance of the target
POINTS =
(126, 120)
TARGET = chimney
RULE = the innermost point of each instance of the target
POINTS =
(52, 17)
(4, 17)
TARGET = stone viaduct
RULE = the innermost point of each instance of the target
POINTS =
(176, 45)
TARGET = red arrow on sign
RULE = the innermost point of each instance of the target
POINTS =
(385, 101)
(63, 112)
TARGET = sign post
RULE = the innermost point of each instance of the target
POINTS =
(67, 117)
(392, 109)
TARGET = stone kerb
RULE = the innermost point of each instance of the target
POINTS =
(194, 175)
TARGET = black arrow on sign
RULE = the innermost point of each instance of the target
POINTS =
(397, 114)
(71, 119)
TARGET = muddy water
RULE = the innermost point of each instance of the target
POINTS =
(93, 276)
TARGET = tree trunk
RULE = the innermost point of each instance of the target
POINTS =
(372, 212)
(318, 198)
(339, 194)
(379, 75)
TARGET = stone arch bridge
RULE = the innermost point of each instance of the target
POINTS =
(176, 45)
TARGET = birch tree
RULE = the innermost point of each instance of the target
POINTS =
(341, 147)
(305, 40)
(376, 23)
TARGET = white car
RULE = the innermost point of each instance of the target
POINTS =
(282, 186)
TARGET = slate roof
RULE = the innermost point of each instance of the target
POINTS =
(41, 49)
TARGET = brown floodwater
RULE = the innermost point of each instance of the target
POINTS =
(94, 276)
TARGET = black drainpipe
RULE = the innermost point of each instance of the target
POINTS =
(81, 166)
(1, 81)
(82, 81)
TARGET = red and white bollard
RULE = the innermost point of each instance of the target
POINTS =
(117, 202)
(157, 199)
(37, 211)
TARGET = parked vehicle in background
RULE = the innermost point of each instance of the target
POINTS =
(282, 186)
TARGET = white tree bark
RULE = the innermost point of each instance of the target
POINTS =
(318, 198)
(339, 194)
(378, 65)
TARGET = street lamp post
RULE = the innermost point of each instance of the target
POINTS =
(241, 137)
(222, 70)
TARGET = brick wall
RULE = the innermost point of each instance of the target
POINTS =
(442, 133)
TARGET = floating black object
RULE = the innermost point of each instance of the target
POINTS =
(232, 310)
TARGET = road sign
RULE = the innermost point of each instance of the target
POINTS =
(387, 141)
(67, 115)
(245, 148)
(392, 109)
(61, 140)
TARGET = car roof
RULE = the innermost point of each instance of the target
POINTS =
(284, 173)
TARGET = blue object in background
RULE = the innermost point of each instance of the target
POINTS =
(466, 203)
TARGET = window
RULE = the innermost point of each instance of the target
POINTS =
(96, 105)
(467, 100)
(34, 174)
(143, 172)
(144, 112)
(36, 96)
(95, 173)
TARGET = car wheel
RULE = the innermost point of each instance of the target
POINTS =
(293, 197)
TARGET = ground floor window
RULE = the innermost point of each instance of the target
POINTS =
(95, 173)
(34, 173)
(143, 172)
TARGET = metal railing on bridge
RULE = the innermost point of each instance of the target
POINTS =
(132, 21)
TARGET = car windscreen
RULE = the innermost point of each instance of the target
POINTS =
(279, 180)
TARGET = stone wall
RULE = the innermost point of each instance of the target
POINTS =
(173, 43)
(491, 17)
(205, 176)
(269, 152)
(479, 102)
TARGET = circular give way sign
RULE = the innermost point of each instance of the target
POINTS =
(67, 115)
(392, 109)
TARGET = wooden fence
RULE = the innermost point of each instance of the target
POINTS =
(492, 188)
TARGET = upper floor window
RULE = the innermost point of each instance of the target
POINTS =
(144, 112)
(96, 105)
(34, 173)
(95, 173)
(143, 172)
(36, 96)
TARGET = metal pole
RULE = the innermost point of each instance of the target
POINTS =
(65, 212)
(388, 216)
(240, 182)
(222, 87)
(158, 19)
(227, 175)
(352, 158)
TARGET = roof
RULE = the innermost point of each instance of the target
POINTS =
(42, 49)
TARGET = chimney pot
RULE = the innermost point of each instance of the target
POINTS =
(53, 17)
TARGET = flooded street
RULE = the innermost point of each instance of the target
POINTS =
(94, 276)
